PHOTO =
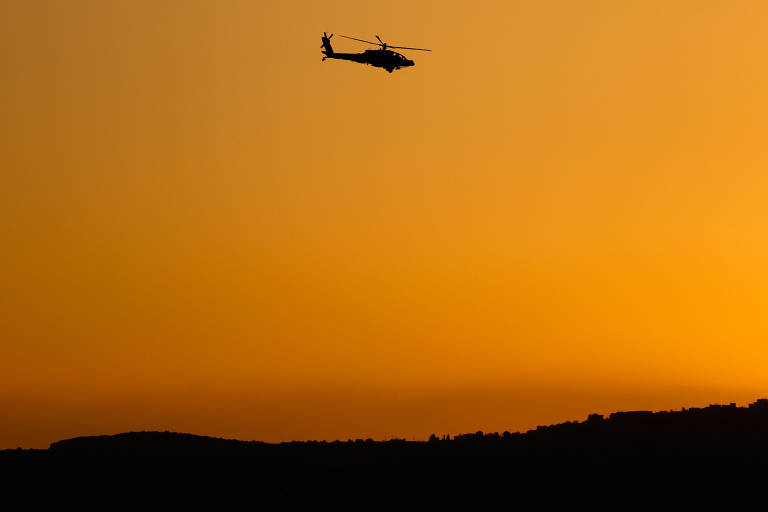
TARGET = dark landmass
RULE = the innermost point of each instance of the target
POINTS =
(713, 458)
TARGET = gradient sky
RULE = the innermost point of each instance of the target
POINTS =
(204, 228)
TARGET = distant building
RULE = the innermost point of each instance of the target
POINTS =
(631, 415)
(761, 403)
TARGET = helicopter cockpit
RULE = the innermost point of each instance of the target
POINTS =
(404, 61)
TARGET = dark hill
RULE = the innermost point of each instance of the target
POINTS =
(709, 458)
(150, 444)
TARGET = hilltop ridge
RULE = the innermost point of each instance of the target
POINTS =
(713, 420)
(714, 457)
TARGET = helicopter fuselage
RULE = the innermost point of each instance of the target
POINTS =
(386, 59)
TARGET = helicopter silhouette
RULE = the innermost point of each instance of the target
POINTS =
(380, 58)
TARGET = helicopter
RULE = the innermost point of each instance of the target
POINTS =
(380, 58)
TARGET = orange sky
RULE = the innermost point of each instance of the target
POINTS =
(561, 210)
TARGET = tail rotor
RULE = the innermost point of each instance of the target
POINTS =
(327, 48)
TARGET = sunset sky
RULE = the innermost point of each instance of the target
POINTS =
(560, 210)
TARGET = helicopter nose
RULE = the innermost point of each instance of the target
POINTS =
(410, 63)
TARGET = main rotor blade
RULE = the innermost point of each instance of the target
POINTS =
(407, 48)
(382, 42)
(361, 40)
